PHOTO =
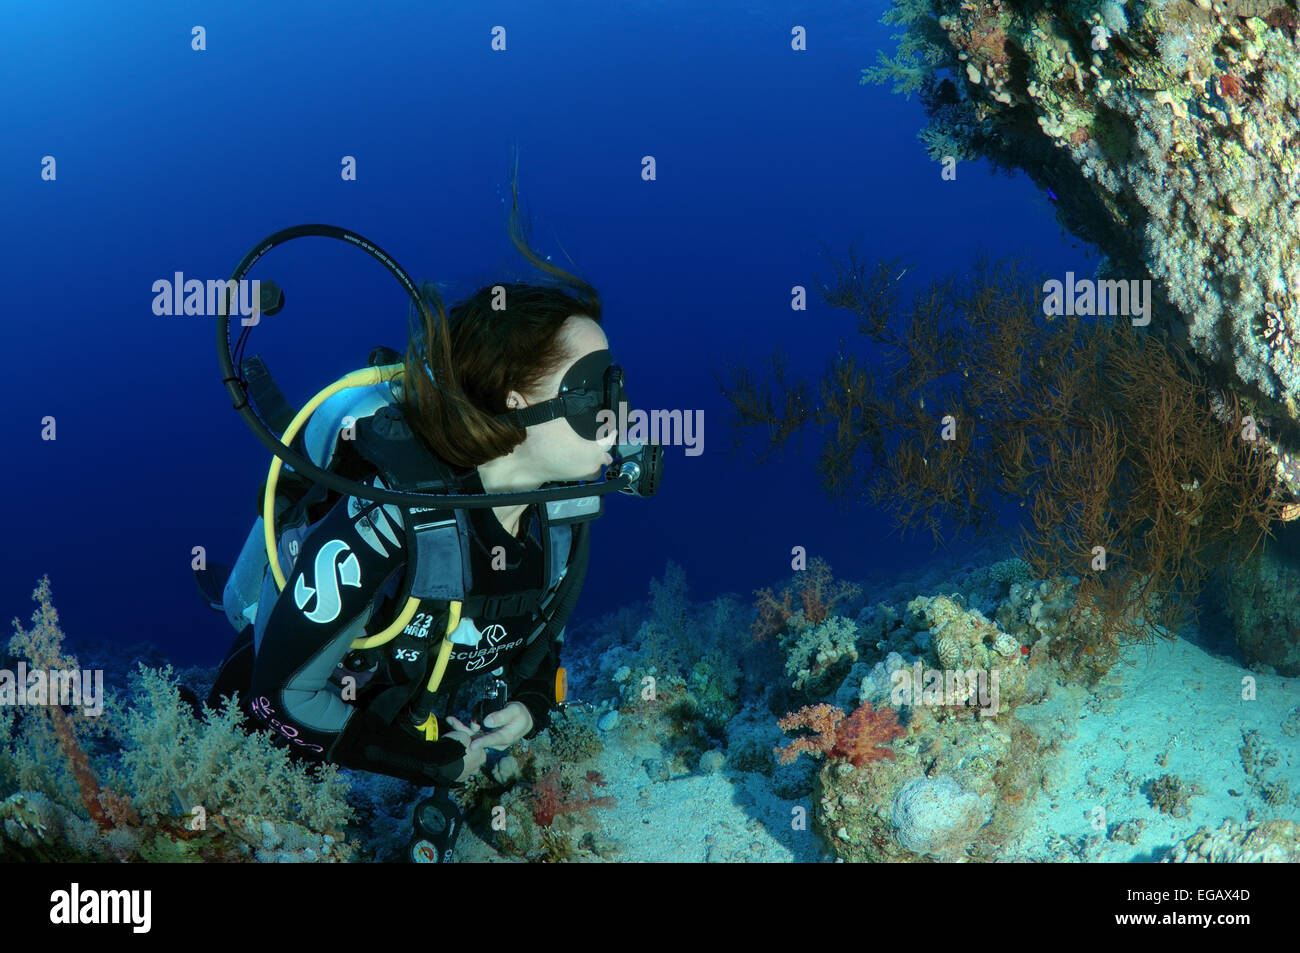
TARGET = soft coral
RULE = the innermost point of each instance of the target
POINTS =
(551, 797)
(858, 739)
(818, 595)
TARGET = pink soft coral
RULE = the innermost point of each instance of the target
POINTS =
(551, 797)
(858, 739)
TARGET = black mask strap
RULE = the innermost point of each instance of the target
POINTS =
(592, 384)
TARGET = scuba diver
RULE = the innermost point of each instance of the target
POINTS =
(427, 542)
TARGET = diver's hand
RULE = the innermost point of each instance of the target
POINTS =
(506, 727)
(474, 756)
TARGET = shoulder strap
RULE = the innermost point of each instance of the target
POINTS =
(438, 539)
(561, 605)
(388, 442)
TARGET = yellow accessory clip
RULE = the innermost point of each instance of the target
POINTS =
(430, 728)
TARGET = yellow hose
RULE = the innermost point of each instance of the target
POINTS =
(366, 377)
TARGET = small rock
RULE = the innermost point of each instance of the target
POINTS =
(506, 770)
(711, 762)
(608, 721)
(1130, 832)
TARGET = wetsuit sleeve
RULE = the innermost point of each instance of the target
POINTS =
(537, 692)
(343, 563)
(368, 744)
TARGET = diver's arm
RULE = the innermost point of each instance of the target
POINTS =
(537, 694)
(537, 691)
(327, 600)
(368, 744)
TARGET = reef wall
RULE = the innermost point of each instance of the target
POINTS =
(1166, 132)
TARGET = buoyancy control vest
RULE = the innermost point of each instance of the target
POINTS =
(361, 432)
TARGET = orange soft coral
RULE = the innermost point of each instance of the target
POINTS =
(821, 719)
(818, 594)
(858, 739)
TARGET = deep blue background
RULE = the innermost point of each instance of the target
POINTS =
(174, 160)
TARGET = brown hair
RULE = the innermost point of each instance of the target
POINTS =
(453, 388)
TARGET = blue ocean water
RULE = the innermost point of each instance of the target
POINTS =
(172, 160)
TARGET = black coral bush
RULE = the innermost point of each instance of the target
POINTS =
(1136, 472)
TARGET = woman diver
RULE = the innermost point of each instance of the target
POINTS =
(510, 390)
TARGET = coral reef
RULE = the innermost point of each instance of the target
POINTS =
(1041, 614)
(963, 639)
(574, 741)
(696, 646)
(36, 829)
(545, 807)
(1165, 132)
(818, 645)
(667, 705)
(1257, 759)
(673, 670)
(174, 756)
(986, 766)
(1258, 594)
(149, 780)
(995, 764)
(1010, 571)
(1272, 842)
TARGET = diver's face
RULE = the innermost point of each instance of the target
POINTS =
(563, 454)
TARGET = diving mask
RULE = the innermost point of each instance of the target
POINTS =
(593, 384)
